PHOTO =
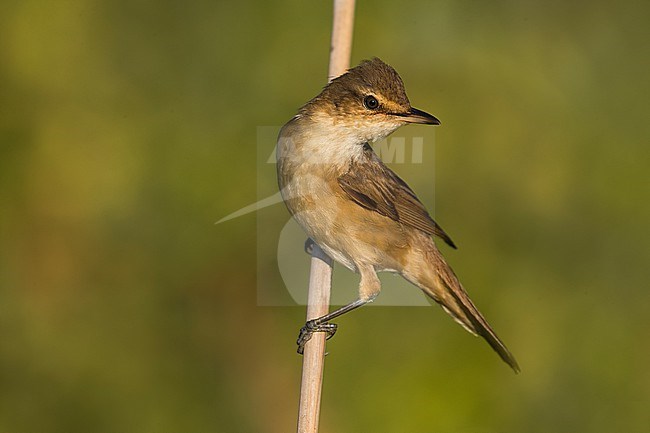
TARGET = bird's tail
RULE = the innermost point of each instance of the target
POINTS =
(438, 281)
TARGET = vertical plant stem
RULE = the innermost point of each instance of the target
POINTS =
(318, 298)
(341, 45)
(320, 277)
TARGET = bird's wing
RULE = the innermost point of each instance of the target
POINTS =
(374, 186)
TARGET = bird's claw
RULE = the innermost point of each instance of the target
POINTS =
(308, 330)
(309, 246)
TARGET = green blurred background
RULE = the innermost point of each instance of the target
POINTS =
(127, 128)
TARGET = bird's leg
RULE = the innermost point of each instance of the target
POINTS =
(369, 288)
(321, 324)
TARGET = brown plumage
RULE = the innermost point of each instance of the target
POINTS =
(358, 210)
(376, 187)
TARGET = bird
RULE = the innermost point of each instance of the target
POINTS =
(360, 212)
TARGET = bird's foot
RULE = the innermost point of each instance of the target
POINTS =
(309, 246)
(314, 326)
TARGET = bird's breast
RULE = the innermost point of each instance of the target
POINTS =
(308, 173)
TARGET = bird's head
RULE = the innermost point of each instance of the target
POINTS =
(368, 102)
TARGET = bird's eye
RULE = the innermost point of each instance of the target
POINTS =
(371, 102)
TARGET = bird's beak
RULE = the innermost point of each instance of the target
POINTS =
(418, 116)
